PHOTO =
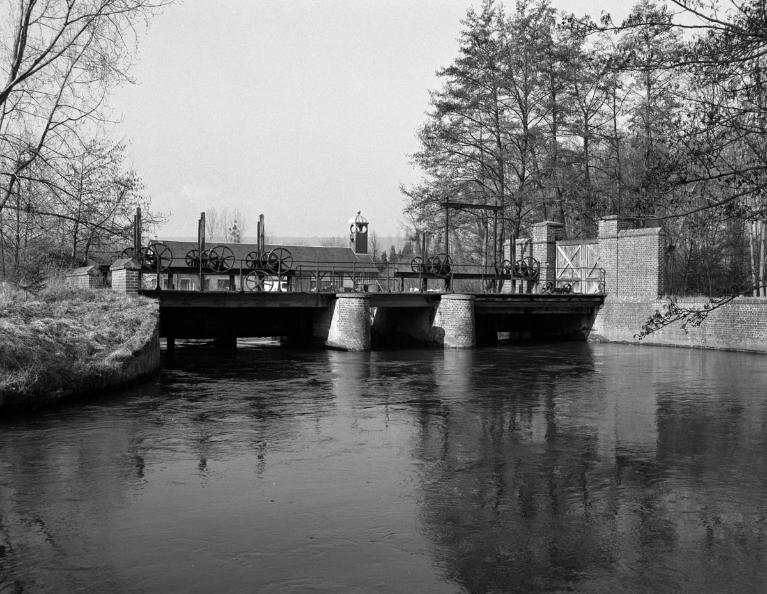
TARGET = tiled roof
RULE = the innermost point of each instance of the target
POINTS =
(340, 259)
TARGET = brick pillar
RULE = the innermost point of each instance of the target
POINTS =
(453, 323)
(350, 323)
(633, 259)
(126, 274)
(641, 263)
(608, 251)
(545, 237)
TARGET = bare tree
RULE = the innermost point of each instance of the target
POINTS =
(59, 60)
(225, 225)
(212, 224)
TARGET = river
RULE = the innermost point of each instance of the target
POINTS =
(574, 466)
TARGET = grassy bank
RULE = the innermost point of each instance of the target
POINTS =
(66, 342)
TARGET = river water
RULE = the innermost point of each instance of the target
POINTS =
(517, 468)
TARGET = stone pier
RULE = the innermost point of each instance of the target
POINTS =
(453, 324)
(350, 323)
(354, 325)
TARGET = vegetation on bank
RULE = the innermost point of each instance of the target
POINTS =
(65, 341)
(660, 119)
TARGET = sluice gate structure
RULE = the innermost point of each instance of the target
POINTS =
(545, 287)
(361, 321)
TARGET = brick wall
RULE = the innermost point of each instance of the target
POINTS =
(125, 281)
(740, 325)
(78, 281)
(640, 263)
(86, 277)
(632, 259)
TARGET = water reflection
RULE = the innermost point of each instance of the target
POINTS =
(595, 468)
(584, 478)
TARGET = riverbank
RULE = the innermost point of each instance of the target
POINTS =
(68, 342)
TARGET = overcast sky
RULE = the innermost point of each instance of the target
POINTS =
(303, 110)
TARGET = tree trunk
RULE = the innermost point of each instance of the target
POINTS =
(762, 257)
(754, 272)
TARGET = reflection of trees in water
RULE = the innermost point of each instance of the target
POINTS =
(243, 403)
(55, 496)
(539, 489)
(506, 489)
(712, 439)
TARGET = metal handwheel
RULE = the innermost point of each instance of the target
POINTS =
(220, 258)
(280, 260)
(253, 260)
(254, 281)
(192, 258)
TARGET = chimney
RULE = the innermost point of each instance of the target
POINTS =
(358, 233)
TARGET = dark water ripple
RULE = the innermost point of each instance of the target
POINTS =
(565, 467)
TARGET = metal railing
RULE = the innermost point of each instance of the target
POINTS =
(401, 277)
(582, 281)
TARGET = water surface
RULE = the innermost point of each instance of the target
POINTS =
(518, 468)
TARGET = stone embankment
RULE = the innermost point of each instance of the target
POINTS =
(69, 343)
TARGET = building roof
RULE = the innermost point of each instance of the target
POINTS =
(91, 270)
(340, 259)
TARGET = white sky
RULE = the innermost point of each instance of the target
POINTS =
(303, 110)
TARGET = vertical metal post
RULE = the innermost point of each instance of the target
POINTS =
(158, 282)
(137, 244)
(447, 229)
(137, 235)
(261, 240)
(201, 246)
(496, 259)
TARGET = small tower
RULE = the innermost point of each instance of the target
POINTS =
(358, 233)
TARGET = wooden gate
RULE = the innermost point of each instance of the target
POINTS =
(577, 265)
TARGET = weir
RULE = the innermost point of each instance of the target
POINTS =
(546, 287)
(361, 321)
